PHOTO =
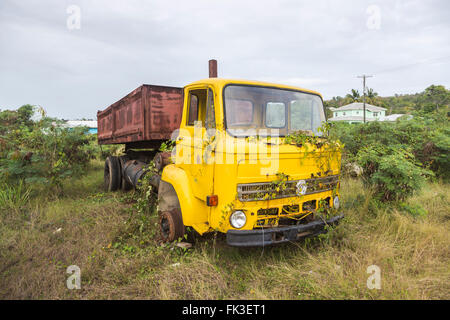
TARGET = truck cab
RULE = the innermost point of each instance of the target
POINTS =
(250, 161)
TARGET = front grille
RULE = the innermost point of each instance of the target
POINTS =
(268, 190)
(268, 212)
(309, 205)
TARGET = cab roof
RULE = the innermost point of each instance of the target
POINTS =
(220, 82)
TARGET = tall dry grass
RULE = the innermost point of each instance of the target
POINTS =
(120, 257)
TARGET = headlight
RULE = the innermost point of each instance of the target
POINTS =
(238, 219)
(336, 202)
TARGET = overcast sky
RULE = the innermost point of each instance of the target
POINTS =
(321, 45)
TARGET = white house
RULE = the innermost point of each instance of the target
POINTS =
(353, 113)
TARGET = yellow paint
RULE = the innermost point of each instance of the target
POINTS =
(195, 181)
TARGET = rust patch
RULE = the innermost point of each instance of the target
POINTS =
(147, 113)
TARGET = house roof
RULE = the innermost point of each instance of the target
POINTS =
(81, 123)
(358, 106)
(392, 117)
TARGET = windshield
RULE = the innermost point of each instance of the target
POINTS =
(253, 110)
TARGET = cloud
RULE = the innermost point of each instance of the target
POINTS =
(321, 45)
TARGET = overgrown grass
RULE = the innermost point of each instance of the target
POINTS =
(120, 257)
(14, 198)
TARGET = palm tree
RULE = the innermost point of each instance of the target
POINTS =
(372, 96)
(354, 96)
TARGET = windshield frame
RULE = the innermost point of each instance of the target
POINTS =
(262, 86)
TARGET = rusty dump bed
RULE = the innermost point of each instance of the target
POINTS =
(146, 114)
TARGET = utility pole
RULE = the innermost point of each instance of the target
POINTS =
(364, 94)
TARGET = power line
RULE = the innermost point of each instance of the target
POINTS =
(364, 95)
(407, 66)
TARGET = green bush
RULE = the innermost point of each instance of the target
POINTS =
(414, 210)
(101, 151)
(437, 153)
(392, 172)
(396, 158)
(41, 151)
(427, 137)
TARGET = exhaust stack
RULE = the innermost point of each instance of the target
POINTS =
(213, 68)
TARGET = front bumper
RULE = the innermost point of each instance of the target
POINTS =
(265, 237)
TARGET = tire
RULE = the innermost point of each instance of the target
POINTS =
(171, 225)
(161, 160)
(112, 174)
(124, 184)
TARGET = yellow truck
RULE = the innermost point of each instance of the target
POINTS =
(251, 159)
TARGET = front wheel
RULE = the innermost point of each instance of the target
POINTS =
(171, 225)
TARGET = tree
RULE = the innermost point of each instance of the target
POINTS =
(372, 97)
(371, 93)
(354, 96)
(437, 95)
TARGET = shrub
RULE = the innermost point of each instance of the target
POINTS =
(101, 151)
(426, 138)
(391, 171)
(413, 209)
(437, 152)
(40, 151)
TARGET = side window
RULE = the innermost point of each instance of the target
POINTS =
(210, 122)
(275, 115)
(193, 110)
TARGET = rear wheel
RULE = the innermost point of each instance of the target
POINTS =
(171, 225)
(124, 184)
(112, 174)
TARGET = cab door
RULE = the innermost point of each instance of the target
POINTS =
(196, 139)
